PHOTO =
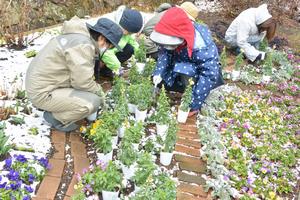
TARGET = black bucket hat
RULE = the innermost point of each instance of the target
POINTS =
(109, 29)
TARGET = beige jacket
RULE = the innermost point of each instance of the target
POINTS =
(67, 61)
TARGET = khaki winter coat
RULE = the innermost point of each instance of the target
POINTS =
(67, 61)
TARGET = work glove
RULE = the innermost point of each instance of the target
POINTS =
(260, 57)
(156, 80)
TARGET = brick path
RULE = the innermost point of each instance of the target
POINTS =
(187, 155)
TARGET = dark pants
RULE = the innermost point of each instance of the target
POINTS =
(123, 56)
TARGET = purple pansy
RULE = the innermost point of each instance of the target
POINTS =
(13, 175)
(21, 158)
(28, 188)
(8, 163)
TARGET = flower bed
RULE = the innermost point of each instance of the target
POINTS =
(251, 143)
(20, 175)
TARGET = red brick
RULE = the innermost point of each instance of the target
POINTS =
(80, 163)
(48, 188)
(38, 198)
(187, 150)
(75, 137)
(71, 191)
(192, 189)
(78, 149)
(57, 167)
(59, 151)
(190, 178)
(188, 127)
(189, 159)
(192, 167)
(184, 196)
(58, 136)
(67, 198)
(188, 135)
(187, 142)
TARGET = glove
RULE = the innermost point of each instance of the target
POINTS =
(260, 57)
(156, 80)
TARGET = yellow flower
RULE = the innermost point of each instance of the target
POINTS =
(225, 119)
(272, 195)
(251, 129)
(82, 129)
(96, 124)
(259, 114)
(93, 131)
(229, 110)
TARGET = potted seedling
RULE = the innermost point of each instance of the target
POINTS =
(127, 155)
(123, 113)
(119, 86)
(145, 168)
(140, 56)
(144, 96)
(132, 98)
(162, 116)
(184, 107)
(134, 76)
(134, 134)
(112, 182)
(103, 142)
(169, 144)
(149, 67)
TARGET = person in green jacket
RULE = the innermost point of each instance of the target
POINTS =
(130, 21)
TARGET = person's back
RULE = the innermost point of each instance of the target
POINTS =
(50, 69)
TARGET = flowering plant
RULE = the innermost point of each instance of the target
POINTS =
(20, 174)
(163, 112)
(101, 177)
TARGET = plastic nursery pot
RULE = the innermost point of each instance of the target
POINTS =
(140, 116)
(166, 158)
(182, 116)
(114, 142)
(128, 172)
(235, 75)
(140, 67)
(105, 157)
(121, 131)
(161, 130)
(136, 189)
(106, 195)
(131, 108)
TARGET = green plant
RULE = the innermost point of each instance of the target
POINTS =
(21, 94)
(110, 120)
(263, 45)
(149, 145)
(223, 58)
(149, 68)
(239, 60)
(144, 95)
(33, 131)
(17, 120)
(134, 76)
(127, 155)
(134, 133)
(4, 147)
(140, 54)
(132, 94)
(162, 116)
(30, 54)
(101, 178)
(119, 85)
(187, 97)
(122, 108)
(170, 140)
(103, 140)
(165, 187)
(145, 168)
(268, 64)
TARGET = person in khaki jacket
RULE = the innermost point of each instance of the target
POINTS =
(59, 79)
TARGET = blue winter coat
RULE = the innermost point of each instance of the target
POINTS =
(203, 66)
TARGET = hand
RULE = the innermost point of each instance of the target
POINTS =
(260, 57)
(156, 80)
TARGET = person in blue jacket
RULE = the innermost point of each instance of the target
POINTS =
(186, 51)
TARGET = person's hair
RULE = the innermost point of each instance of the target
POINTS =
(270, 26)
(95, 35)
